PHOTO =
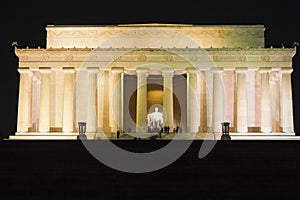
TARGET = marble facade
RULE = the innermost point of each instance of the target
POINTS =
(244, 83)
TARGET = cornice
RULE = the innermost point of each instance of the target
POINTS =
(163, 54)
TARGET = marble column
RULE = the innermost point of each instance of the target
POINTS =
(287, 101)
(100, 98)
(280, 100)
(81, 95)
(275, 102)
(141, 101)
(44, 119)
(35, 102)
(116, 100)
(193, 107)
(257, 98)
(68, 102)
(202, 101)
(105, 102)
(30, 122)
(228, 76)
(91, 124)
(56, 98)
(168, 98)
(242, 107)
(218, 100)
(209, 99)
(24, 106)
(266, 119)
(251, 97)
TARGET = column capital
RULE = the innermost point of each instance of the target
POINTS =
(265, 69)
(69, 70)
(57, 69)
(117, 69)
(141, 70)
(253, 68)
(45, 70)
(286, 70)
(168, 72)
(191, 70)
(274, 69)
(241, 69)
(92, 70)
(229, 69)
(216, 69)
(24, 70)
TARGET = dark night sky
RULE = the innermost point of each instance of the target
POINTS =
(236, 170)
(25, 23)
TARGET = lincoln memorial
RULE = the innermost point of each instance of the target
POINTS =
(134, 78)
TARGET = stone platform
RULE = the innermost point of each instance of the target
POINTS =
(44, 136)
(164, 136)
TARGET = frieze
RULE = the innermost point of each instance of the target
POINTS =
(68, 57)
(265, 58)
(92, 57)
(193, 58)
(142, 58)
(44, 57)
(194, 32)
(23, 58)
(84, 33)
(217, 58)
(218, 55)
(242, 58)
(168, 58)
(286, 58)
(221, 33)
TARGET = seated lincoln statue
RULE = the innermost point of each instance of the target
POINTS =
(155, 121)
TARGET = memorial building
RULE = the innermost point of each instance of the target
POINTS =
(144, 77)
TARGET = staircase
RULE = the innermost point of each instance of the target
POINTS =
(44, 136)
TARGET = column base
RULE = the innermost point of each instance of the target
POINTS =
(242, 130)
(202, 129)
(217, 129)
(183, 135)
(287, 129)
(44, 131)
(266, 129)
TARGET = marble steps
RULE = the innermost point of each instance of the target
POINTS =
(170, 136)
(44, 136)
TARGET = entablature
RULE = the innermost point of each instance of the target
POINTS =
(223, 57)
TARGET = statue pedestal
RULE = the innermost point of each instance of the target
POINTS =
(81, 137)
(225, 137)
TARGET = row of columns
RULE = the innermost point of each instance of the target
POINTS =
(218, 96)
(24, 106)
(193, 109)
(97, 94)
(141, 107)
(141, 100)
(285, 101)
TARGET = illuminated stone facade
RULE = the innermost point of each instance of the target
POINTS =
(90, 73)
